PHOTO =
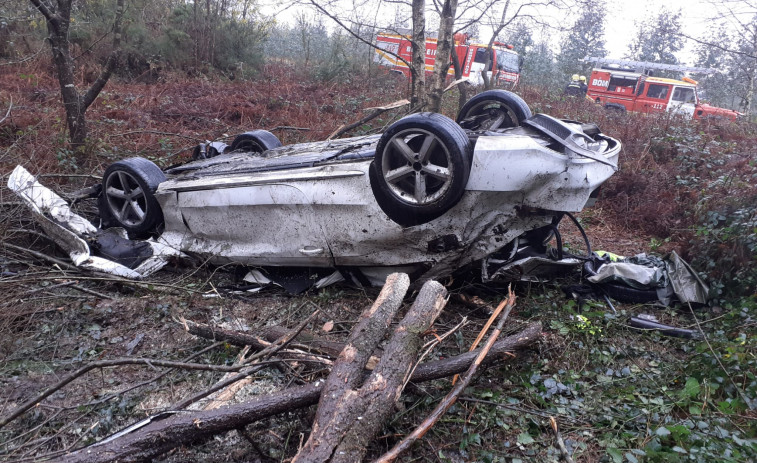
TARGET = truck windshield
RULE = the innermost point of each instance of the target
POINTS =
(684, 95)
(508, 62)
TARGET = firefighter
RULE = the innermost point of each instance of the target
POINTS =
(582, 84)
(574, 87)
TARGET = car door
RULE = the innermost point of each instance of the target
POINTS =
(683, 101)
(654, 98)
(271, 223)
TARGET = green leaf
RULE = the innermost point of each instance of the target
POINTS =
(662, 431)
(691, 388)
(695, 409)
(525, 438)
(631, 457)
(615, 454)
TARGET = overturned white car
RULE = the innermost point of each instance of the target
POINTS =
(429, 195)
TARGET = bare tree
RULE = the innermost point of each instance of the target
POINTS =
(58, 17)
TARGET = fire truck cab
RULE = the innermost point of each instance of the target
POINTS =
(627, 86)
(395, 51)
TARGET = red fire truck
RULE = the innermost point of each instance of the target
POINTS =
(629, 86)
(392, 49)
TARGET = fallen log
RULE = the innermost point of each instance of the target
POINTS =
(349, 418)
(451, 397)
(264, 339)
(184, 427)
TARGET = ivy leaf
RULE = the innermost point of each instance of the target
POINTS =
(615, 454)
(662, 431)
(525, 438)
(691, 388)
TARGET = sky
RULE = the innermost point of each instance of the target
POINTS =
(622, 16)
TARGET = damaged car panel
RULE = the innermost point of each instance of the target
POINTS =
(425, 195)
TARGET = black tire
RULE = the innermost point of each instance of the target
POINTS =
(255, 141)
(128, 200)
(493, 109)
(421, 167)
(616, 108)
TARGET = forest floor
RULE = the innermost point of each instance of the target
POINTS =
(619, 394)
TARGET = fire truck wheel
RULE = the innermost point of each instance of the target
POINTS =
(421, 167)
(616, 108)
(493, 109)
(256, 141)
(128, 197)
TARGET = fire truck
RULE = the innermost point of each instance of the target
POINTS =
(627, 85)
(392, 49)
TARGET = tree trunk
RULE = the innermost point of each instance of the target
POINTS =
(339, 391)
(348, 424)
(75, 104)
(382, 389)
(443, 51)
(418, 66)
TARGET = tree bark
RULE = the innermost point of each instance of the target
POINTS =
(339, 391)
(349, 424)
(443, 51)
(418, 68)
(185, 427)
(75, 105)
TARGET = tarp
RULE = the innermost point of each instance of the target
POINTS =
(669, 276)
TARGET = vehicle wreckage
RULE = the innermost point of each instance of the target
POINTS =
(428, 197)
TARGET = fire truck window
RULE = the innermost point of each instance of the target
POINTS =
(683, 95)
(480, 55)
(658, 91)
(621, 81)
(508, 62)
(641, 88)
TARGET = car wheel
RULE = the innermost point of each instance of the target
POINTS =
(128, 199)
(421, 167)
(616, 108)
(493, 109)
(256, 141)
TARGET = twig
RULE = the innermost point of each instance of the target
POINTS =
(284, 340)
(41, 256)
(7, 113)
(452, 396)
(216, 387)
(374, 114)
(112, 363)
(152, 380)
(432, 344)
(287, 127)
(92, 292)
(559, 441)
(154, 132)
(483, 331)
